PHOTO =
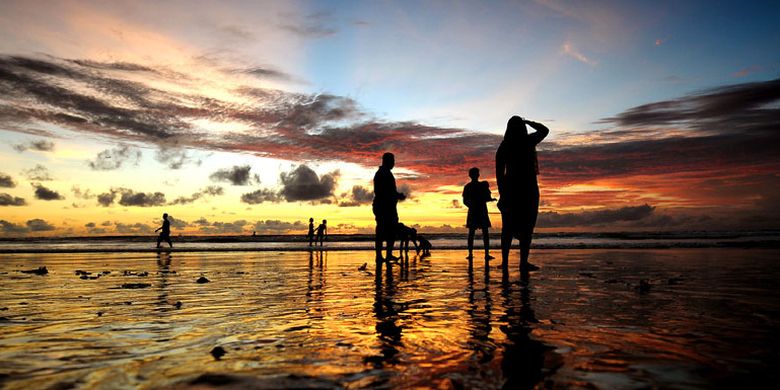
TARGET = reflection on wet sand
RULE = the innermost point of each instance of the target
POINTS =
(315, 319)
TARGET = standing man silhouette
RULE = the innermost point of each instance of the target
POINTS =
(386, 197)
(165, 232)
(516, 171)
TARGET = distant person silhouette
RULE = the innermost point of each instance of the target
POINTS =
(322, 231)
(311, 231)
(476, 194)
(165, 231)
(516, 171)
(386, 197)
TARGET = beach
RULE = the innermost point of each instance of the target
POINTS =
(589, 318)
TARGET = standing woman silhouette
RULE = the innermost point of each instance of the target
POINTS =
(516, 171)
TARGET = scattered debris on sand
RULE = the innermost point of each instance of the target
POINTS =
(202, 280)
(37, 271)
(363, 267)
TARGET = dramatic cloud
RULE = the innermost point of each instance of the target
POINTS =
(39, 145)
(128, 197)
(111, 159)
(303, 184)
(208, 191)
(236, 175)
(6, 181)
(8, 200)
(44, 193)
(39, 225)
(260, 196)
(39, 173)
(358, 196)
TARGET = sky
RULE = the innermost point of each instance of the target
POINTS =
(242, 116)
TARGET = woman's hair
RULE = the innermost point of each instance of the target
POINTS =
(515, 130)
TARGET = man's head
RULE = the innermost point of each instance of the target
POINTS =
(388, 160)
(165, 215)
(474, 173)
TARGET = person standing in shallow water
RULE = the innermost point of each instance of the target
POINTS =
(165, 232)
(311, 231)
(516, 171)
(322, 231)
(386, 198)
(476, 194)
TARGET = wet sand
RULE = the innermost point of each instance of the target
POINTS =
(669, 318)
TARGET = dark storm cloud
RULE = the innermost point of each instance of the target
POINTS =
(208, 191)
(39, 173)
(261, 196)
(6, 181)
(39, 225)
(596, 217)
(9, 200)
(302, 183)
(39, 145)
(114, 158)
(238, 175)
(44, 193)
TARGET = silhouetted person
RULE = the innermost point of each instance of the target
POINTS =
(407, 234)
(165, 232)
(516, 171)
(425, 246)
(476, 194)
(311, 231)
(386, 197)
(322, 231)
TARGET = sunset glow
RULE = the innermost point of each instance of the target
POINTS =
(237, 117)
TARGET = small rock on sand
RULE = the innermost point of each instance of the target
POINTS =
(136, 285)
(177, 304)
(218, 352)
(363, 267)
(202, 280)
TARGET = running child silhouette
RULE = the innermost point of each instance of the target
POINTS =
(476, 194)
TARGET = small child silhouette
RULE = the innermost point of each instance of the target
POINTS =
(311, 231)
(322, 231)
